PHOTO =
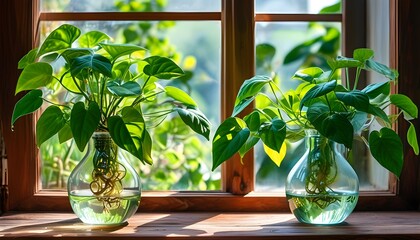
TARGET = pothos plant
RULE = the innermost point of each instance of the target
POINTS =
(91, 84)
(320, 102)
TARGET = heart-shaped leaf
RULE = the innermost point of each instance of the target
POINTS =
(264, 54)
(240, 106)
(49, 123)
(65, 133)
(180, 96)
(125, 89)
(59, 39)
(250, 142)
(412, 138)
(251, 87)
(196, 120)
(228, 139)
(276, 156)
(404, 103)
(27, 104)
(343, 62)
(162, 68)
(273, 134)
(28, 58)
(317, 91)
(386, 147)
(375, 89)
(34, 76)
(118, 50)
(70, 54)
(97, 63)
(308, 74)
(92, 39)
(357, 99)
(381, 69)
(131, 135)
(84, 122)
(363, 54)
(333, 126)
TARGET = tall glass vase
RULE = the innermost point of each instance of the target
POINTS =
(103, 188)
(322, 188)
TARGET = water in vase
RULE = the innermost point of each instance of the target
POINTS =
(92, 209)
(329, 208)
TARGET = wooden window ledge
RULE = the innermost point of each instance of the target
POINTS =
(360, 225)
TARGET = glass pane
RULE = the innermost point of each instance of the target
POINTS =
(298, 6)
(182, 161)
(131, 6)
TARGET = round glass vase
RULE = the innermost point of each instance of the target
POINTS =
(322, 188)
(104, 189)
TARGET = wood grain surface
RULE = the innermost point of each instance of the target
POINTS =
(360, 225)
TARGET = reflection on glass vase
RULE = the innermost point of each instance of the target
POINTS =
(322, 188)
(104, 188)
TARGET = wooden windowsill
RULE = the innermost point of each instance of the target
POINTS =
(360, 225)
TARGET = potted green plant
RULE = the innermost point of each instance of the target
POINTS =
(322, 187)
(105, 96)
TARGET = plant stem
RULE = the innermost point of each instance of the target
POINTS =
(80, 89)
(277, 99)
(356, 80)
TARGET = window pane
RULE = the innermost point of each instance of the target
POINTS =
(131, 6)
(182, 160)
(297, 6)
(304, 45)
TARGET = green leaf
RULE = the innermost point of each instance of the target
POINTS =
(358, 121)
(65, 133)
(301, 50)
(273, 134)
(147, 148)
(230, 136)
(343, 62)
(84, 122)
(59, 39)
(118, 50)
(33, 76)
(317, 91)
(333, 126)
(180, 96)
(28, 59)
(240, 106)
(27, 104)
(376, 111)
(308, 74)
(50, 122)
(250, 142)
(253, 121)
(70, 54)
(162, 68)
(404, 103)
(386, 147)
(357, 99)
(122, 137)
(196, 120)
(95, 62)
(363, 54)
(264, 55)
(136, 126)
(92, 39)
(335, 8)
(375, 89)
(251, 87)
(412, 138)
(125, 89)
(381, 69)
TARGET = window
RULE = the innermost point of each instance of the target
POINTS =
(237, 24)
